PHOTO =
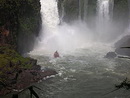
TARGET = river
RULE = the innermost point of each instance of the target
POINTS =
(83, 73)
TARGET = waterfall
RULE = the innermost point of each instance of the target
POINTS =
(104, 15)
(83, 4)
(85, 9)
(50, 21)
(63, 37)
(62, 12)
(80, 10)
(50, 17)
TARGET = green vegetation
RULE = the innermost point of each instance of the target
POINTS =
(11, 62)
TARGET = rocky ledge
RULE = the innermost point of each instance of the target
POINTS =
(124, 42)
(17, 72)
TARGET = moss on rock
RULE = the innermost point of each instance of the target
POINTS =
(11, 62)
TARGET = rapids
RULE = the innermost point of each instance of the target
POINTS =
(83, 72)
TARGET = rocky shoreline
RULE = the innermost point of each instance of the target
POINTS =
(122, 48)
(25, 79)
(17, 72)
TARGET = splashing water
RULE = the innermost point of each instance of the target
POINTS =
(60, 37)
(66, 37)
(83, 72)
(104, 13)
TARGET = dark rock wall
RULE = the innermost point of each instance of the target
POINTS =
(71, 8)
(121, 14)
(22, 19)
(91, 13)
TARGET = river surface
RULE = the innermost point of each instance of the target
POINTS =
(83, 73)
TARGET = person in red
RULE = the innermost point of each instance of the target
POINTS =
(56, 55)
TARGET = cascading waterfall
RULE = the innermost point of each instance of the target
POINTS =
(103, 11)
(49, 12)
(83, 4)
(62, 12)
(86, 69)
(85, 9)
(62, 37)
(50, 20)
(104, 14)
(80, 10)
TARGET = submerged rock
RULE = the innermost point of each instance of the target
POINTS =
(111, 55)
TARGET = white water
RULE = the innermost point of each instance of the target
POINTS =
(63, 37)
(83, 71)
(104, 13)
(50, 21)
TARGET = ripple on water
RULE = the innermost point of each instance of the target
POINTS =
(86, 74)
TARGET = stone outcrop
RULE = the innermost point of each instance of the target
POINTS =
(110, 55)
(124, 42)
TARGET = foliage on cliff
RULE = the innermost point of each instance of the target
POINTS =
(22, 19)
(11, 62)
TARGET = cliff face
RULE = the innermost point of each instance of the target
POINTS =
(20, 22)
(71, 9)
(75, 8)
(121, 14)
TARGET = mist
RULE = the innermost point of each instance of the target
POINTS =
(64, 37)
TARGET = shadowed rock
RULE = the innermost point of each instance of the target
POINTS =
(124, 42)
(111, 55)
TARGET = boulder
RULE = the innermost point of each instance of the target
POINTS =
(111, 55)
(124, 42)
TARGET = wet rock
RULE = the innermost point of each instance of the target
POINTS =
(111, 55)
(36, 67)
(24, 78)
(33, 61)
(18, 72)
(124, 42)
